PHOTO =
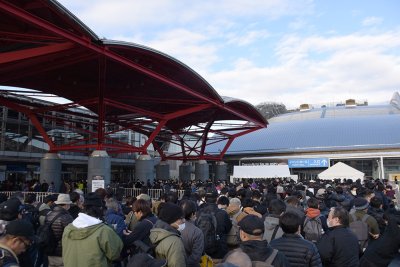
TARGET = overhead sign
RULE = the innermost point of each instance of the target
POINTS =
(308, 163)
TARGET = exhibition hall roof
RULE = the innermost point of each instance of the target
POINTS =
(124, 86)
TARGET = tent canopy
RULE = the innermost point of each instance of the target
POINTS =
(262, 171)
(341, 170)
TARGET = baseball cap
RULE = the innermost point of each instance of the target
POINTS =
(252, 225)
(10, 209)
(20, 228)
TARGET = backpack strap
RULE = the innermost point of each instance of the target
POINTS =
(149, 221)
(55, 218)
(364, 218)
(353, 216)
(271, 257)
(274, 233)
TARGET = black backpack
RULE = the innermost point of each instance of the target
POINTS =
(45, 236)
(207, 222)
(31, 214)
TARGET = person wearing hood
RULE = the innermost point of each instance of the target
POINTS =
(166, 237)
(88, 241)
(314, 214)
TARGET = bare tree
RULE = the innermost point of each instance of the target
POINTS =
(271, 109)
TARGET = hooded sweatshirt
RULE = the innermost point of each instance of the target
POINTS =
(87, 241)
(270, 224)
(169, 244)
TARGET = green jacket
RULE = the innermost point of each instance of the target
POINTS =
(168, 244)
(90, 244)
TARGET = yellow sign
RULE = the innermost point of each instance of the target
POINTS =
(394, 176)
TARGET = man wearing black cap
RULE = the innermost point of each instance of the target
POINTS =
(251, 234)
(216, 247)
(9, 211)
(87, 241)
(16, 239)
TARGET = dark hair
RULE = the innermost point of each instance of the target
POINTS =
(276, 207)
(171, 197)
(376, 202)
(256, 194)
(189, 208)
(101, 192)
(342, 214)
(289, 222)
(312, 202)
(292, 201)
(143, 206)
(223, 200)
(74, 197)
(231, 192)
(248, 202)
(30, 198)
(339, 189)
(144, 190)
(94, 211)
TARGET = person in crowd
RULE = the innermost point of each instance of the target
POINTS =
(10, 210)
(88, 241)
(166, 237)
(16, 239)
(50, 199)
(376, 210)
(272, 230)
(361, 207)
(224, 224)
(339, 246)
(251, 233)
(192, 236)
(248, 205)
(222, 202)
(258, 207)
(63, 218)
(293, 205)
(235, 259)
(235, 214)
(313, 213)
(298, 251)
(379, 192)
(385, 249)
(114, 217)
(77, 204)
(146, 220)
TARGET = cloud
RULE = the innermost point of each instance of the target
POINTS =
(372, 21)
(352, 66)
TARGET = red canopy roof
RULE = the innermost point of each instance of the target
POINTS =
(127, 86)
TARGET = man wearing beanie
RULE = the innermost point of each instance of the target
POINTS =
(360, 214)
(88, 241)
(165, 235)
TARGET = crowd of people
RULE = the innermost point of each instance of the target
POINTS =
(271, 222)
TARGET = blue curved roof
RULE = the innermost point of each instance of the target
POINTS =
(321, 134)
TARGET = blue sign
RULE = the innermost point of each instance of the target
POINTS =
(308, 163)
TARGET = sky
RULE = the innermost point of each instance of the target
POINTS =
(284, 51)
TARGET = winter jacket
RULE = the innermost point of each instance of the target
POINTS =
(58, 226)
(168, 244)
(270, 223)
(116, 220)
(298, 251)
(193, 241)
(141, 231)
(259, 250)
(224, 225)
(339, 247)
(8, 257)
(87, 241)
(381, 251)
(378, 215)
(373, 226)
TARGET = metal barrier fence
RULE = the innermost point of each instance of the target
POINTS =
(153, 193)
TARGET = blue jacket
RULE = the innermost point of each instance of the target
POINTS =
(116, 221)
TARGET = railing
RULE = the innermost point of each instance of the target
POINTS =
(153, 193)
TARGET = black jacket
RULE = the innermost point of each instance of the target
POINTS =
(381, 251)
(339, 247)
(224, 225)
(259, 250)
(58, 226)
(298, 251)
(141, 230)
